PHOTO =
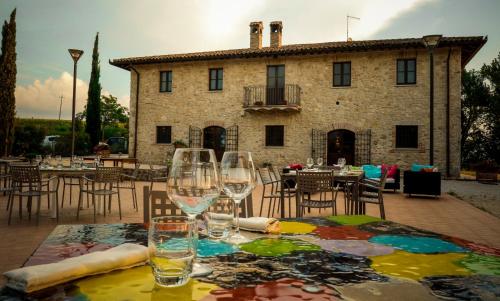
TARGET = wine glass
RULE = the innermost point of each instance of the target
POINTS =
(319, 161)
(193, 184)
(238, 181)
(310, 163)
(341, 162)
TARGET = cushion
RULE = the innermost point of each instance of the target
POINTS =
(391, 170)
(372, 171)
(419, 167)
(388, 180)
(427, 170)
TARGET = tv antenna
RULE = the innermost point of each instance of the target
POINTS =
(60, 106)
(347, 21)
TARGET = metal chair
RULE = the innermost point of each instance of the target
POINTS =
(271, 186)
(101, 185)
(156, 203)
(69, 180)
(27, 181)
(313, 182)
(127, 181)
(158, 174)
(372, 192)
(288, 190)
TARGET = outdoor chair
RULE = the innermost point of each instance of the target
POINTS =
(288, 191)
(158, 174)
(156, 203)
(104, 180)
(127, 181)
(269, 185)
(310, 183)
(372, 192)
(69, 180)
(27, 181)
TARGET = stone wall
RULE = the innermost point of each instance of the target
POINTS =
(373, 101)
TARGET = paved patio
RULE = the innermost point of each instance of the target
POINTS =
(446, 215)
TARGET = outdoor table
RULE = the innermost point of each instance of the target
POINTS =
(64, 171)
(353, 177)
(328, 258)
(117, 160)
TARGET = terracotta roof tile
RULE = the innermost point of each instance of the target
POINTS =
(470, 45)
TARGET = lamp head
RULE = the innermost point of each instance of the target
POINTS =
(431, 41)
(75, 54)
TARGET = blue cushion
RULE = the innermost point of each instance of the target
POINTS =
(372, 171)
(419, 167)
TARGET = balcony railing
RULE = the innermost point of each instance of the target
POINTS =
(264, 98)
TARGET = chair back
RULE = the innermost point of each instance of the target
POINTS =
(383, 178)
(108, 174)
(314, 181)
(265, 175)
(25, 174)
(157, 203)
(277, 173)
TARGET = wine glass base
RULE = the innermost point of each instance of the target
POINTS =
(237, 239)
(200, 270)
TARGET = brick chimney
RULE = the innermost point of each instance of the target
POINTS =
(256, 35)
(276, 30)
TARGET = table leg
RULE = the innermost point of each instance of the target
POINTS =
(282, 198)
(53, 203)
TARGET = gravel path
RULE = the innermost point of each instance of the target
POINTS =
(482, 196)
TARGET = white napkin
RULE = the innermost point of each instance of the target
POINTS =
(33, 278)
(260, 224)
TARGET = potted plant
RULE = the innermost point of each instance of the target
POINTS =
(486, 171)
(102, 149)
(179, 144)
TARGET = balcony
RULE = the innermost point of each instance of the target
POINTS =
(266, 99)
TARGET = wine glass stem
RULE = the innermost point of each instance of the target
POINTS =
(192, 218)
(237, 203)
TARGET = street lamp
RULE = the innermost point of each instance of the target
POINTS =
(75, 55)
(431, 42)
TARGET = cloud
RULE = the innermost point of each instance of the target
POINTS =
(42, 99)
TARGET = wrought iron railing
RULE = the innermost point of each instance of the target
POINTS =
(289, 95)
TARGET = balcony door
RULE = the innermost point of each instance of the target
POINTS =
(275, 85)
(340, 144)
(214, 137)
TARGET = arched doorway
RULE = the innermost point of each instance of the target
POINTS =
(214, 137)
(341, 144)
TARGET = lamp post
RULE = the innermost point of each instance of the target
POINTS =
(75, 55)
(431, 42)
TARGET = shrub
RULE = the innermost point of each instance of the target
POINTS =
(82, 144)
(28, 140)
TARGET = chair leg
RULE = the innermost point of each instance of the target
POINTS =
(93, 204)
(70, 190)
(11, 200)
(20, 207)
(382, 209)
(79, 204)
(119, 203)
(63, 192)
(57, 205)
(134, 199)
(262, 199)
(38, 203)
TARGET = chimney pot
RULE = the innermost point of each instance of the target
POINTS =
(256, 35)
(276, 33)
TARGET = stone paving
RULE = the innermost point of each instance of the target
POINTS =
(482, 196)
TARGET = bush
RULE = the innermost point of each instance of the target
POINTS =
(114, 131)
(82, 144)
(486, 166)
(28, 140)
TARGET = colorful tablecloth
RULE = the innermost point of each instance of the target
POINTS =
(334, 258)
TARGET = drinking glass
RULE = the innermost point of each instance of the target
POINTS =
(193, 183)
(38, 159)
(341, 162)
(319, 161)
(59, 161)
(172, 249)
(48, 160)
(219, 218)
(310, 163)
(238, 181)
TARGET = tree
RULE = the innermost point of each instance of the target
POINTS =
(93, 114)
(112, 112)
(475, 95)
(8, 73)
(491, 73)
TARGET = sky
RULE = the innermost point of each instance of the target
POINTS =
(47, 28)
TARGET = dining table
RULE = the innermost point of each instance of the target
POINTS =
(355, 257)
(62, 171)
(118, 160)
(351, 177)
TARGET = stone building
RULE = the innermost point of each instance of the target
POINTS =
(367, 101)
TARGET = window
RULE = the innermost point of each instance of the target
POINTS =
(406, 136)
(275, 135)
(215, 79)
(342, 74)
(163, 134)
(165, 81)
(406, 71)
